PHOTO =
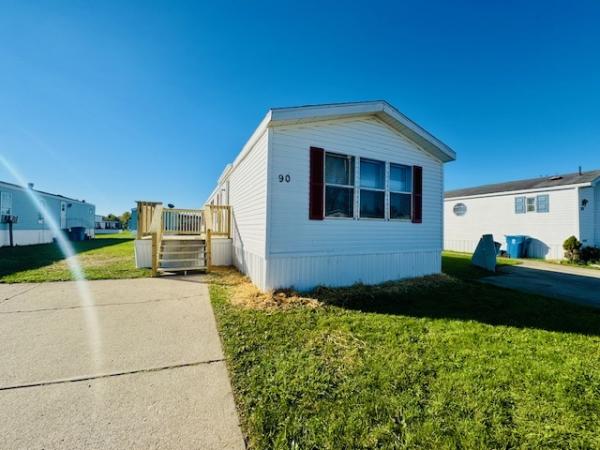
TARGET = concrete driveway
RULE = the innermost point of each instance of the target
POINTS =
(574, 284)
(141, 368)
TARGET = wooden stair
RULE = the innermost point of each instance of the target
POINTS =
(182, 255)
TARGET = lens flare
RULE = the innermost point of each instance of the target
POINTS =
(85, 296)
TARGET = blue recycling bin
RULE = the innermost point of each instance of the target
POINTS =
(77, 234)
(515, 245)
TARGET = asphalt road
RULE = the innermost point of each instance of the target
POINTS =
(578, 285)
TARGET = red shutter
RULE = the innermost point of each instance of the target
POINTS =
(316, 189)
(417, 197)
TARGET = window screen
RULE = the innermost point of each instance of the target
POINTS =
(372, 189)
(400, 191)
(543, 203)
(339, 185)
(519, 205)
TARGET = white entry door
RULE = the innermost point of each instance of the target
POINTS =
(63, 215)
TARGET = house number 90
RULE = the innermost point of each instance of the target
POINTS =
(285, 178)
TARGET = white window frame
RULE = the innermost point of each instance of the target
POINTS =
(527, 199)
(356, 188)
(537, 204)
(384, 190)
(346, 186)
(390, 192)
(6, 210)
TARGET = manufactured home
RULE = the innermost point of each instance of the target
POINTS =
(20, 217)
(103, 226)
(335, 194)
(546, 210)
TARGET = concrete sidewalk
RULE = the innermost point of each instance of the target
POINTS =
(141, 368)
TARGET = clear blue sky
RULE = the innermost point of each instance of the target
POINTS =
(118, 101)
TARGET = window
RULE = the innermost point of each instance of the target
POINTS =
(543, 203)
(339, 185)
(519, 205)
(344, 186)
(5, 203)
(400, 191)
(540, 204)
(372, 189)
(460, 209)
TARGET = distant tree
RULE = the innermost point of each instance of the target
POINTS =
(124, 219)
(111, 217)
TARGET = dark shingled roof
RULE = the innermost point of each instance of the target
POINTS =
(18, 186)
(523, 185)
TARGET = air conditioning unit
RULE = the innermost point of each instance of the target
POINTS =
(8, 218)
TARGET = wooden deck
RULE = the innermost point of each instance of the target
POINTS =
(181, 238)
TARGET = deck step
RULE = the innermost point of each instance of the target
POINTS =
(175, 248)
(178, 260)
(180, 269)
(179, 252)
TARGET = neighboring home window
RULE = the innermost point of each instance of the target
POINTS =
(372, 189)
(339, 185)
(543, 203)
(400, 191)
(5, 203)
(519, 205)
(530, 204)
(460, 209)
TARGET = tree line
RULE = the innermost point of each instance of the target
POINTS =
(123, 219)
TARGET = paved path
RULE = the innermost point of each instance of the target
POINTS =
(142, 368)
(574, 284)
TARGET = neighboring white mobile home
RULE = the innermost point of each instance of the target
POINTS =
(334, 195)
(22, 223)
(547, 210)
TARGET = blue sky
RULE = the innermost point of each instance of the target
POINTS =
(118, 101)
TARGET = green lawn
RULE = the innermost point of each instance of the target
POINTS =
(107, 256)
(441, 362)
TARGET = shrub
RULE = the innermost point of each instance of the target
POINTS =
(572, 248)
(590, 254)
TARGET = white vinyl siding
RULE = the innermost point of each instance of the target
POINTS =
(291, 234)
(496, 215)
(246, 190)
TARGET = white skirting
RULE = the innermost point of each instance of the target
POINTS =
(250, 264)
(221, 252)
(306, 272)
(26, 237)
(143, 253)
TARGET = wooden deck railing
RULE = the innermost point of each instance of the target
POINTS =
(145, 211)
(174, 221)
(183, 221)
(218, 219)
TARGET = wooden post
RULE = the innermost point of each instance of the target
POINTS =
(229, 222)
(154, 254)
(208, 250)
(140, 219)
